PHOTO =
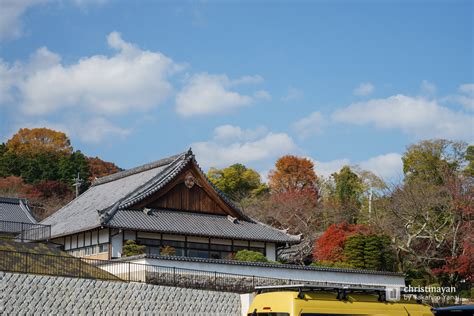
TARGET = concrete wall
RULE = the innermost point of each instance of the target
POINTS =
(283, 273)
(27, 294)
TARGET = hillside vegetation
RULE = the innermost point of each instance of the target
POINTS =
(40, 164)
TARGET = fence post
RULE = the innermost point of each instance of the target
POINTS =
(129, 271)
(26, 264)
(174, 276)
(215, 280)
(22, 232)
(253, 282)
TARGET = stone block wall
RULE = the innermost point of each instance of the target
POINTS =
(28, 294)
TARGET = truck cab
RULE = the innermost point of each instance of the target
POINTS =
(303, 300)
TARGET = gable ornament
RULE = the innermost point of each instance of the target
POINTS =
(189, 180)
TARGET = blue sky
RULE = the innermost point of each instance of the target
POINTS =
(340, 82)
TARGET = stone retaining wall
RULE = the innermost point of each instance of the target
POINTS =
(27, 294)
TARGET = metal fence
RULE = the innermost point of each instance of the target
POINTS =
(25, 231)
(23, 262)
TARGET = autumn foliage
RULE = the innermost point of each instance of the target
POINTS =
(99, 168)
(293, 173)
(40, 164)
(330, 246)
(39, 140)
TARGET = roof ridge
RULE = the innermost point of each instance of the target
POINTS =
(135, 170)
(12, 200)
(156, 182)
(24, 207)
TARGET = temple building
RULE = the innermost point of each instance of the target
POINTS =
(169, 202)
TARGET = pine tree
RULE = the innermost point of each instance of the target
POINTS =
(354, 251)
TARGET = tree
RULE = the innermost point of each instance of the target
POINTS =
(238, 182)
(250, 256)
(70, 166)
(330, 245)
(131, 248)
(99, 168)
(371, 252)
(347, 193)
(430, 160)
(293, 173)
(296, 212)
(469, 156)
(39, 140)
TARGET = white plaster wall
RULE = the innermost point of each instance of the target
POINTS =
(103, 235)
(285, 273)
(117, 245)
(271, 251)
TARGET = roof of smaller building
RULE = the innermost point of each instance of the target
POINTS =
(260, 264)
(197, 224)
(15, 210)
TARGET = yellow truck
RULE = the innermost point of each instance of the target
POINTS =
(304, 300)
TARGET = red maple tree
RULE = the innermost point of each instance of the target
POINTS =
(330, 246)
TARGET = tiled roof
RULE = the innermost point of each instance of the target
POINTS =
(15, 210)
(82, 213)
(197, 224)
(260, 264)
(108, 200)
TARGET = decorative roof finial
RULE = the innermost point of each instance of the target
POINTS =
(189, 153)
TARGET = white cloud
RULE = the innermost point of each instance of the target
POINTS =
(130, 80)
(388, 166)
(365, 88)
(210, 94)
(413, 115)
(310, 125)
(10, 14)
(245, 149)
(467, 88)
(466, 98)
(99, 129)
(327, 168)
(226, 133)
(11, 26)
(94, 130)
(256, 79)
(262, 95)
(293, 94)
(85, 3)
(427, 87)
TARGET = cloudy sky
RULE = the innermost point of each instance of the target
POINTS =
(339, 82)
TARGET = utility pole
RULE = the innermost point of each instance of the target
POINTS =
(77, 183)
(370, 203)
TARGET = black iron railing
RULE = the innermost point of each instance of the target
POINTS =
(25, 231)
(23, 262)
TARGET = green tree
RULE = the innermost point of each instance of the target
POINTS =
(469, 156)
(251, 256)
(354, 251)
(70, 166)
(131, 248)
(348, 192)
(237, 182)
(371, 252)
(432, 160)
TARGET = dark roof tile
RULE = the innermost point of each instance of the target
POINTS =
(15, 210)
(197, 224)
